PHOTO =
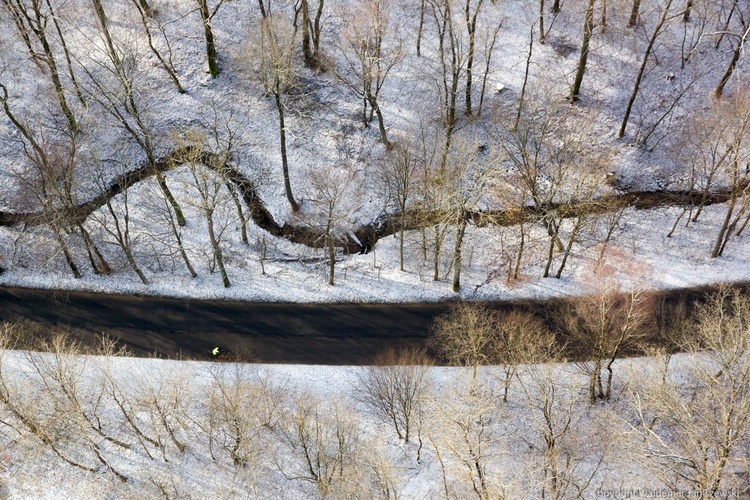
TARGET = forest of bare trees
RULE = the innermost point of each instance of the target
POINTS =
(598, 147)
(468, 154)
(538, 166)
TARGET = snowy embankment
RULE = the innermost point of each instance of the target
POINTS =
(640, 252)
(333, 156)
(149, 428)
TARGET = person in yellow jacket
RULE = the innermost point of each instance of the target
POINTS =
(216, 352)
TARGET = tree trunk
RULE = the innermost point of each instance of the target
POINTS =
(66, 52)
(525, 77)
(733, 63)
(588, 26)
(419, 30)
(284, 162)
(634, 12)
(722, 231)
(218, 255)
(146, 7)
(316, 32)
(471, 26)
(213, 65)
(144, 12)
(19, 19)
(100, 267)
(381, 124)
(329, 247)
(592, 383)
(652, 41)
(102, 16)
(487, 65)
(457, 254)
(541, 22)
(240, 214)
(569, 246)
(55, 76)
(66, 251)
(307, 54)
(436, 255)
(508, 379)
(331, 260)
(519, 256)
(725, 28)
(686, 14)
(170, 198)
(401, 248)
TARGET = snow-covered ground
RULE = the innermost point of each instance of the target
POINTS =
(640, 251)
(600, 450)
(325, 133)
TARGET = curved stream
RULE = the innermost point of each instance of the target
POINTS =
(368, 234)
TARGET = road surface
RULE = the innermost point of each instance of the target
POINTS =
(189, 328)
(331, 334)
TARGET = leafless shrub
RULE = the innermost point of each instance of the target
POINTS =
(323, 443)
(694, 425)
(563, 465)
(465, 435)
(395, 387)
(603, 324)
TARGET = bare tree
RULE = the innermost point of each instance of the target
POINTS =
(330, 186)
(113, 82)
(588, 27)
(466, 336)
(489, 49)
(276, 72)
(522, 338)
(735, 139)
(32, 17)
(543, 157)
(658, 30)
(471, 13)
(323, 441)
(603, 324)
(695, 421)
(165, 230)
(163, 400)
(452, 65)
(742, 36)
(235, 421)
(395, 387)
(210, 184)
(118, 227)
(369, 56)
(716, 149)
(53, 181)
(567, 465)
(207, 14)
(144, 12)
(74, 427)
(466, 180)
(634, 14)
(434, 197)
(312, 29)
(466, 440)
(399, 174)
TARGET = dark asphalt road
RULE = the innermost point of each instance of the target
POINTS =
(271, 332)
(332, 334)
